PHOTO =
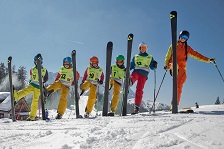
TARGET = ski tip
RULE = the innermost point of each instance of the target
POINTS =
(173, 14)
(9, 58)
(130, 36)
(38, 55)
(110, 44)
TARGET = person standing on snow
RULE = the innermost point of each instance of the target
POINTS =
(92, 77)
(34, 88)
(183, 51)
(117, 76)
(141, 63)
(63, 81)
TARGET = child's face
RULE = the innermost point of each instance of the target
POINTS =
(182, 39)
(142, 49)
(94, 64)
(66, 65)
(120, 62)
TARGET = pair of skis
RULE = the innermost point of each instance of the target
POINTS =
(108, 72)
(73, 54)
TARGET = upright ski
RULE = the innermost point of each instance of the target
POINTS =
(173, 19)
(11, 88)
(75, 84)
(107, 78)
(126, 84)
(39, 68)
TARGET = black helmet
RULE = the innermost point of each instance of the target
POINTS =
(184, 33)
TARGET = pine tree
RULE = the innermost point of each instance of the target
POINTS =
(13, 69)
(217, 102)
(22, 74)
(2, 72)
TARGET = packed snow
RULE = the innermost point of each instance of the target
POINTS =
(203, 129)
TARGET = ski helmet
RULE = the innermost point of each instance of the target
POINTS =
(35, 59)
(67, 60)
(94, 60)
(184, 34)
(143, 46)
(120, 58)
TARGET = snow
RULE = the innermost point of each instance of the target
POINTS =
(203, 129)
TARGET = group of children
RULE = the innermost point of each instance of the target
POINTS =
(93, 76)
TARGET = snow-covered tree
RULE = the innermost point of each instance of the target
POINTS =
(22, 74)
(217, 102)
(2, 72)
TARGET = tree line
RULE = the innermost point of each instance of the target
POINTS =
(19, 77)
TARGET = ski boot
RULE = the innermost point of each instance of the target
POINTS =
(86, 115)
(58, 116)
(31, 118)
(130, 82)
(82, 92)
(136, 110)
(110, 113)
(110, 86)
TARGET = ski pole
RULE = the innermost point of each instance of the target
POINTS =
(154, 109)
(18, 115)
(158, 91)
(218, 70)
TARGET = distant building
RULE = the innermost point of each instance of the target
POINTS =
(21, 107)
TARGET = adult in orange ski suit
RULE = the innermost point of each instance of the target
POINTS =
(183, 51)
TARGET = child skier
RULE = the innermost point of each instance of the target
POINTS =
(141, 63)
(183, 50)
(117, 76)
(34, 88)
(92, 77)
(63, 81)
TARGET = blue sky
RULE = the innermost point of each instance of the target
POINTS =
(54, 28)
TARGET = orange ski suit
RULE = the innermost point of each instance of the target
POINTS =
(183, 51)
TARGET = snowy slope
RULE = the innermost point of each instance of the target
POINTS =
(202, 130)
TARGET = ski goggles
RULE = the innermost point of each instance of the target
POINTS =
(184, 37)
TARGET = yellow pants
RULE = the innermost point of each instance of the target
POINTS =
(63, 95)
(36, 94)
(116, 95)
(92, 95)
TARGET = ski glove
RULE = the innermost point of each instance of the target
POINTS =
(166, 68)
(212, 60)
(154, 64)
(100, 82)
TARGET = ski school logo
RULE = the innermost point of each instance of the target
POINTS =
(172, 16)
(129, 38)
